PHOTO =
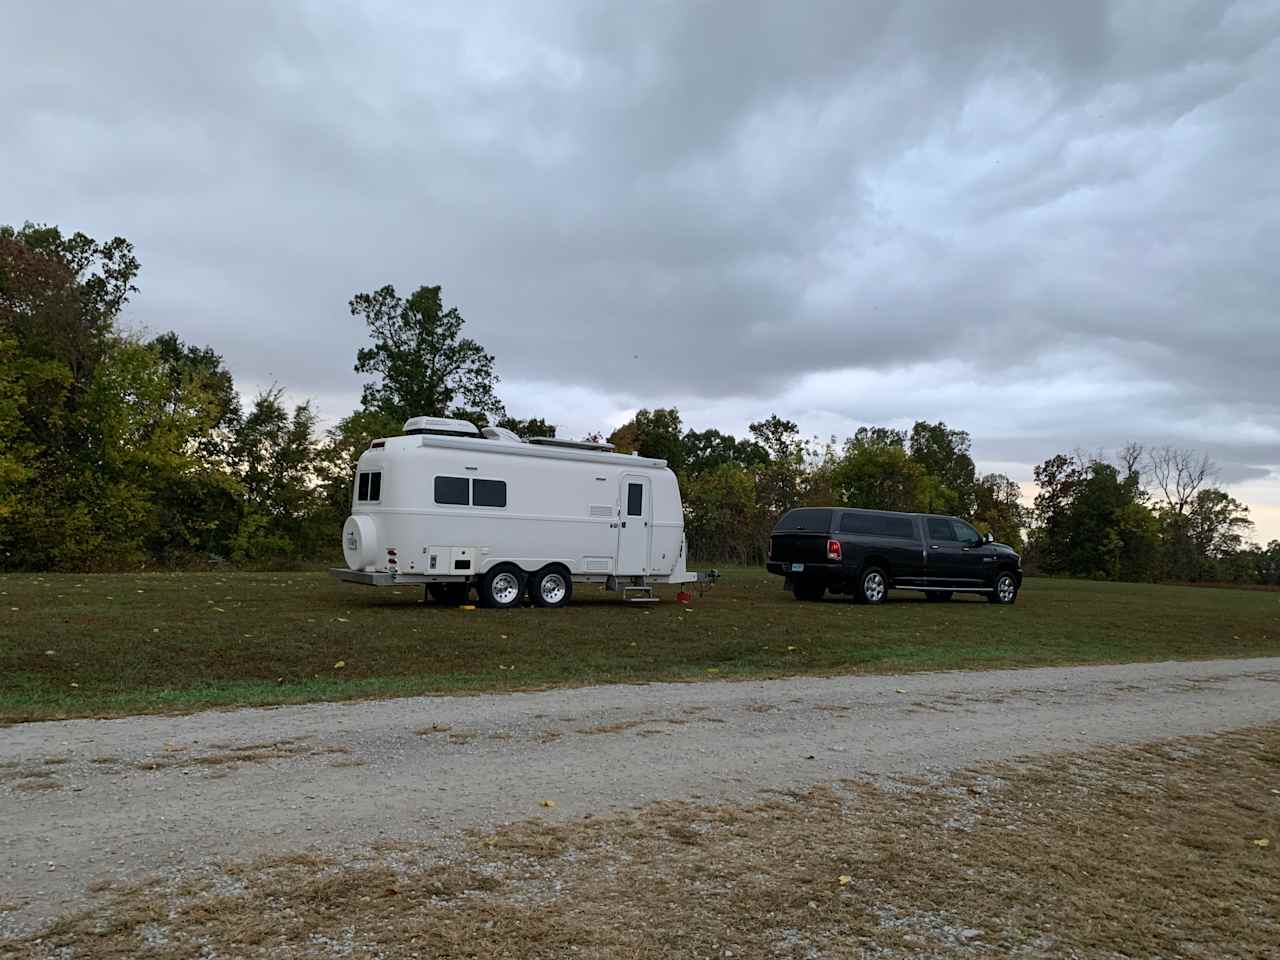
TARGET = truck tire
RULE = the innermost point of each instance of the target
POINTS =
(873, 586)
(502, 587)
(938, 596)
(550, 587)
(803, 588)
(1005, 590)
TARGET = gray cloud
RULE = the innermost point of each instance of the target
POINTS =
(1054, 224)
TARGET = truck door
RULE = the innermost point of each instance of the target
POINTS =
(634, 527)
(953, 558)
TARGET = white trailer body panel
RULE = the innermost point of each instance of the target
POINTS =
(458, 506)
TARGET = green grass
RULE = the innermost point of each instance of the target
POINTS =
(142, 643)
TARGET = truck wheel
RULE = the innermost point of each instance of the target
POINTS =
(502, 587)
(448, 594)
(938, 596)
(550, 587)
(806, 589)
(874, 586)
(1006, 589)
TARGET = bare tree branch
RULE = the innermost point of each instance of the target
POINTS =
(1179, 473)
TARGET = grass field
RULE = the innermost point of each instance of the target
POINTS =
(73, 646)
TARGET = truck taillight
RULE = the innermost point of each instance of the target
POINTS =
(833, 549)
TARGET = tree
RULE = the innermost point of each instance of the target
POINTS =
(944, 455)
(422, 364)
(707, 449)
(533, 427)
(1216, 525)
(876, 473)
(999, 510)
(723, 520)
(780, 480)
(652, 433)
(275, 456)
(1057, 479)
(1178, 473)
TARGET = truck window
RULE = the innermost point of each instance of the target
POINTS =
(488, 493)
(878, 525)
(635, 499)
(941, 530)
(965, 533)
(453, 490)
(806, 519)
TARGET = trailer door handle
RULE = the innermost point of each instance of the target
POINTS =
(624, 523)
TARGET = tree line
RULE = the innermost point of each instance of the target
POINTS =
(119, 450)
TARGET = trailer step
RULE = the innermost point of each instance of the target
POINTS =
(638, 595)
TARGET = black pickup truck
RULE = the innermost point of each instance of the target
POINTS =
(865, 552)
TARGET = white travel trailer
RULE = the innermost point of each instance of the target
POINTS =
(449, 506)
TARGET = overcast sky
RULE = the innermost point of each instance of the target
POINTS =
(1054, 225)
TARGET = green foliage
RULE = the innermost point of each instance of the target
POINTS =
(877, 473)
(944, 455)
(422, 364)
(652, 433)
(998, 509)
(119, 452)
(275, 458)
(533, 427)
(722, 515)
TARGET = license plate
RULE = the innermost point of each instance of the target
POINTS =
(797, 567)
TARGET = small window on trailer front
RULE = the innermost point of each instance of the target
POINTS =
(488, 493)
(369, 486)
(453, 491)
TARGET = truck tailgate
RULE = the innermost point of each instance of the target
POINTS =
(798, 547)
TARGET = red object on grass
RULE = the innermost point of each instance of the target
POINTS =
(684, 596)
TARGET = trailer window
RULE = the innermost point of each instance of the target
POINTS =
(370, 486)
(635, 499)
(488, 493)
(452, 490)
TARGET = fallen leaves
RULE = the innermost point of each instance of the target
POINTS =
(1263, 842)
(340, 664)
(546, 803)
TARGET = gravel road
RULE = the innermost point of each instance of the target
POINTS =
(92, 800)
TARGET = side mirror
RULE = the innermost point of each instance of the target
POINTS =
(988, 538)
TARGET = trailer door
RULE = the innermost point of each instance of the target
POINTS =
(634, 527)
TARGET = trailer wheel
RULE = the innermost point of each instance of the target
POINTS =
(550, 587)
(502, 587)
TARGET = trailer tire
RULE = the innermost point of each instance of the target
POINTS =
(449, 594)
(551, 587)
(502, 587)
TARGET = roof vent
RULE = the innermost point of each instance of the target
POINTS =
(501, 433)
(441, 426)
